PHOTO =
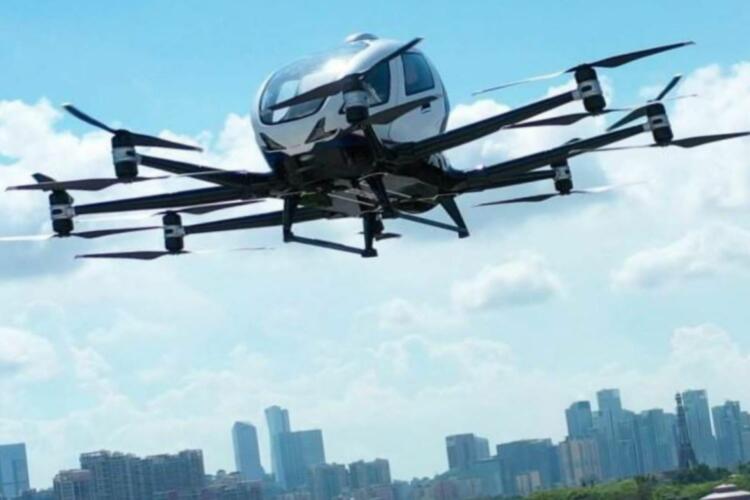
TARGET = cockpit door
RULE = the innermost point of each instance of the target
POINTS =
(417, 79)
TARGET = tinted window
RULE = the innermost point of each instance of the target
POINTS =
(417, 73)
(379, 80)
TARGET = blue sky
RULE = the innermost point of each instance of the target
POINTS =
(644, 290)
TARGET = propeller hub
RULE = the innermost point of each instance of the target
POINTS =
(61, 212)
(563, 178)
(124, 157)
(174, 232)
(658, 124)
(589, 89)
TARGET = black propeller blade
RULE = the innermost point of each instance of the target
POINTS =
(339, 85)
(136, 139)
(546, 196)
(608, 62)
(688, 142)
(152, 255)
(640, 111)
(79, 234)
(97, 184)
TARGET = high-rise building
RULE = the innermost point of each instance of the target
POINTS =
(698, 420)
(526, 460)
(365, 474)
(729, 426)
(608, 423)
(116, 476)
(167, 476)
(609, 401)
(579, 461)
(685, 452)
(466, 449)
(247, 451)
(657, 448)
(580, 420)
(119, 476)
(327, 481)
(14, 470)
(277, 419)
(745, 418)
(298, 451)
(74, 485)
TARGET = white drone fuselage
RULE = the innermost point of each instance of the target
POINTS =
(287, 134)
(292, 134)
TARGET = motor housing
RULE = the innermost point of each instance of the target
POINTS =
(563, 177)
(124, 157)
(61, 212)
(590, 90)
(174, 232)
(658, 124)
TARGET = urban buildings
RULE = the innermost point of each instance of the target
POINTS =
(119, 476)
(603, 443)
(14, 471)
(466, 449)
(277, 419)
(74, 485)
(247, 451)
(699, 427)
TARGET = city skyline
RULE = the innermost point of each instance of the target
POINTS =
(570, 458)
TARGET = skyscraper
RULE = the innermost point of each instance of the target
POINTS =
(698, 420)
(609, 401)
(729, 427)
(298, 451)
(277, 419)
(465, 449)
(607, 426)
(246, 451)
(580, 420)
(116, 476)
(169, 476)
(528, 459)
(14, 470)
(656, 444)
(74, 485)
(685, 452)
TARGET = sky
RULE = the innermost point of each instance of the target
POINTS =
(644, 289)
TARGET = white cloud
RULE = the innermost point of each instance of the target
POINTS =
(523, 280)
(25, 355)
(700, 253)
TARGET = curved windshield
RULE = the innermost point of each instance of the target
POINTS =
(302, 76)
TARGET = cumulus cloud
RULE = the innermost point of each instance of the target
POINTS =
(700, 253)
(25, 355)
(523, 280)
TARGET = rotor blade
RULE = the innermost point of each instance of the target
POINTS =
(77, 185)
(556, 120)
(151, 255)
(675, 80)
(633, 115)
(619, 60)
(600, 189)
(614, 148)
(33, 237)
(609, 62)
(692, 142)
(205, 209)
(336, 86)
(548, 76)
(86, 118)
(100, 233)
(524, 199)
(137, 255)
(157, 142)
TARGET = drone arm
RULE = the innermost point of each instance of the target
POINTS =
(473, 131)
(517, 166)
(270, 219)
(212, 175)
(169, 200)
